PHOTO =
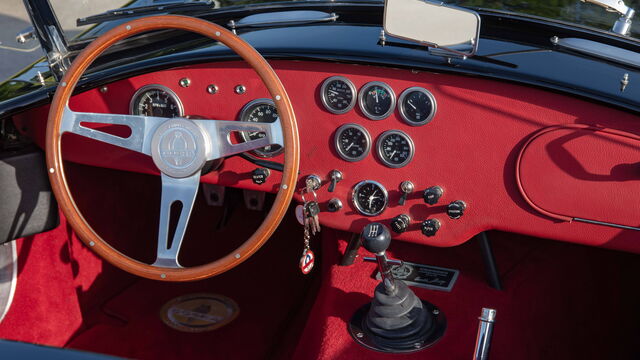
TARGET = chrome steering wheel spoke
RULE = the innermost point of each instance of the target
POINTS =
(174, 190)
(219, 131)
(142, 128)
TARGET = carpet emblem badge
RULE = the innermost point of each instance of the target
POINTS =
(199, 312)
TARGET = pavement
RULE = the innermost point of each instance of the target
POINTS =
(14, 18)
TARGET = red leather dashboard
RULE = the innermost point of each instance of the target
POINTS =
(470, 149)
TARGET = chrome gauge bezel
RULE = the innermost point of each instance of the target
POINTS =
(336, 142)
(380, 152)
(403, 114)
(325, 100)
(354, 193)
(363, 92)
(245, 136)
(148, 87)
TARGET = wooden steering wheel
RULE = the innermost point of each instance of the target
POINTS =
(179, 148)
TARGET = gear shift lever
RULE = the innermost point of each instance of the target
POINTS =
(376, 239)
(396, 321)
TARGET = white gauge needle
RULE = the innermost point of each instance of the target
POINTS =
(393, 153)
(411, 104)
(377, 97)
(349, 147)
(333, 92)
(373, 196)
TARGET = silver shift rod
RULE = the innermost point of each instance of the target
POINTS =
(485, 330)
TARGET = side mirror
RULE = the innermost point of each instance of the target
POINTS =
(434, 24)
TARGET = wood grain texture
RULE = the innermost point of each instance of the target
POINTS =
(56, 168)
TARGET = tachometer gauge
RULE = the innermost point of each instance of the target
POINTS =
(377, 100)
(264, 111)
(156, 100)
(417, 106)
(353, 142)
(395, 148)
(370, 197)
(338, 94)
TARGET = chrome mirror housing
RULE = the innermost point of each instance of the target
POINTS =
(434, 24)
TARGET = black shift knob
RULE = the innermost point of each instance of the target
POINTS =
(376, 237)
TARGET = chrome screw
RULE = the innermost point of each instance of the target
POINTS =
(212, 89)
(185, 82)
(240, 89)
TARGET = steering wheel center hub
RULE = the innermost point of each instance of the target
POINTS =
(179, 148)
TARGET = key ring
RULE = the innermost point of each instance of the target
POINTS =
(306, 191)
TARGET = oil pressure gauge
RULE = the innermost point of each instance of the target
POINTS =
(338, 94)
(395, 148)
(352, 142)
(417, 106)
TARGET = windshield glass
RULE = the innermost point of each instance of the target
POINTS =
(573, 11)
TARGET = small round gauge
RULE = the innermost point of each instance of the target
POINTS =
(338, 94)
(370, 197)
(156, 100)
(264, 111)
(417, 106)
(395, 148)
(353, 142)
(377, 100)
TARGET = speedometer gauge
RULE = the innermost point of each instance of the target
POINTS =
(353, 142)
(156, 100)
(417, 106)
(377, 100)
(370, 197)
(395, 148)
(263, 111)
(338, 94)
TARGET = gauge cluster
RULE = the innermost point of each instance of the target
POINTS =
(377, 101)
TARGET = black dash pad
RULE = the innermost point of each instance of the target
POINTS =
(425, 276)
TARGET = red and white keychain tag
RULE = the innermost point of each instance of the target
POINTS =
(306, 261)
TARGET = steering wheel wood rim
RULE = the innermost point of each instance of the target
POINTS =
(56, 168)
